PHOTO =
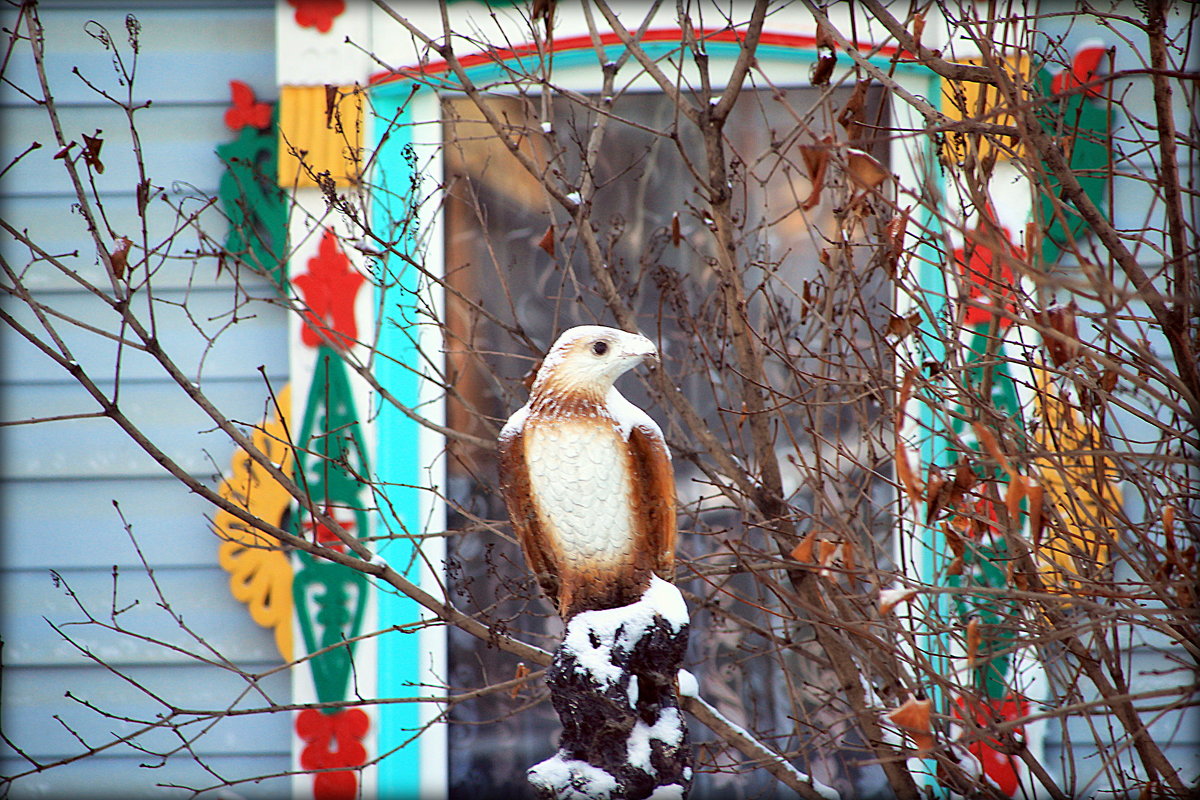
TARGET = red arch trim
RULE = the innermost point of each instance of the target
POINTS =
(792, 40)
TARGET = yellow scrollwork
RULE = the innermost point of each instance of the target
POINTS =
(260, 574)
(1080, 490)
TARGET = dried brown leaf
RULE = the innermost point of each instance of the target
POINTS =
(1060, 319)
(964, 480)
(890, 598)
(803, 552)
(865, 170)
(897, 227)
(547, 241)
(331, 98)
(900, 327)
(953, 540)
(908, 478)
(826, 58)
(922, 742)
(851, 115)
(119, 257)
(676, 234)
(1018, 487)
(522, 671)
(543, 10)
(91, 151)
(918, 28)
(816, 161)
(988, 440)
(826, 550)
(1017, 577)
(974, 636)
(935, 497)
(913, 717)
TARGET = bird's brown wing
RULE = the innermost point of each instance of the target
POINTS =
(654, 492)
(518, 497)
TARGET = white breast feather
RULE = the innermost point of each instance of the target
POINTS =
(581, 485)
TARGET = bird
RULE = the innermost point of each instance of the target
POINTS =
(586, 476)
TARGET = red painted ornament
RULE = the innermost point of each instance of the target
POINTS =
(990, 283)
(245, 109)
(1085, 68)
(318, 14)
(333, 741)
(329, 289)
(1000, 766)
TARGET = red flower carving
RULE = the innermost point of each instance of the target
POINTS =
(997, 765)
(1084, 69)
(318, 14)
(329, 288)
(245, 110)
(975, 261)
(334, 740)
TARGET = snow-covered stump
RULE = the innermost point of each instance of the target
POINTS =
(613, 684)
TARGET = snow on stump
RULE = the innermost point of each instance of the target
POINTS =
(612, 683)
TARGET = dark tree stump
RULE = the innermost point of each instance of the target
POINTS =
(613, 684)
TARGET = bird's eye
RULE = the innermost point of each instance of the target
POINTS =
(600, 347)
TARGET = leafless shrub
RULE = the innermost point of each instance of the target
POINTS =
(922, 455)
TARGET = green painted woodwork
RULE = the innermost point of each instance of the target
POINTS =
(255, 205)
(1084, 124)
(330, 599)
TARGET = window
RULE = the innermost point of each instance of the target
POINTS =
(517, 273)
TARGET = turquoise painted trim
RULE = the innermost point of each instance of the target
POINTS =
(398, 462)
(931, 277)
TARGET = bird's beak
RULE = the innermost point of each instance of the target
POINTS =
(643, 348)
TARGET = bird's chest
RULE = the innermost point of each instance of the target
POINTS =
(579, 476)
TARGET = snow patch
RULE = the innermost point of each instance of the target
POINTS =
(688, 685)
(828, 792)
(667, 602)
(569, 779)
(670, 792)
(515, 423)
(625, 414)
(668, 729)
(592, 635)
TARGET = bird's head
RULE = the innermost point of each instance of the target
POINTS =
(587, 360)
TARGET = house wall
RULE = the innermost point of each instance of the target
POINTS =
(66, 551)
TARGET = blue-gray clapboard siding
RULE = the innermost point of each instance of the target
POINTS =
(58, 481)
